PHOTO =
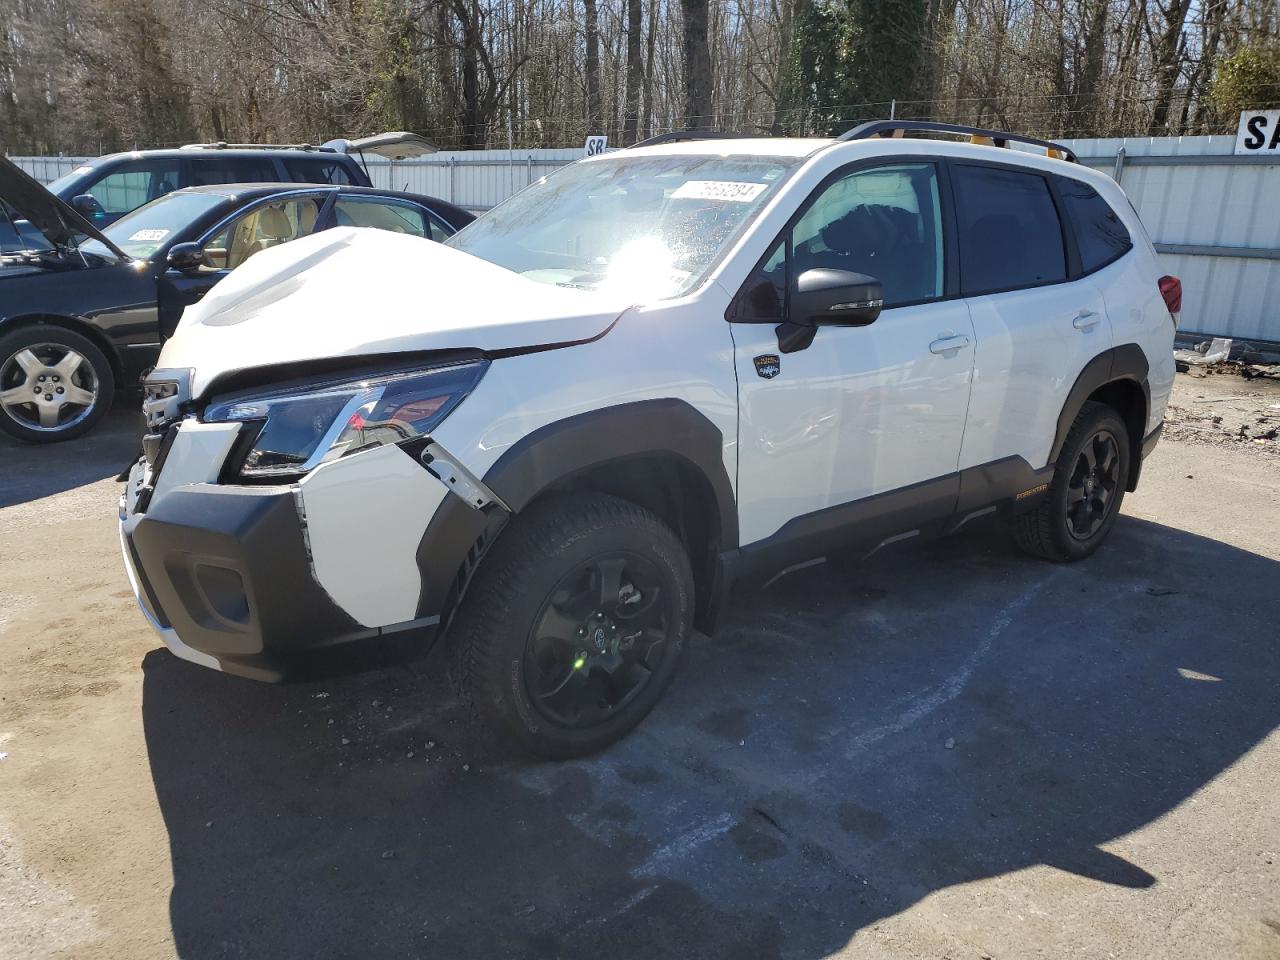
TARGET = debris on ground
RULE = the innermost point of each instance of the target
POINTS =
(1205, 354)
(1211, 406)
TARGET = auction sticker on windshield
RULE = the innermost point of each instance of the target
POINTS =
(736, 191)
(148, 236)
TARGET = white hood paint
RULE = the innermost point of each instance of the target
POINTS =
(351, 291)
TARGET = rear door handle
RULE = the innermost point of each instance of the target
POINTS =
(1086, 320)
(949, 344)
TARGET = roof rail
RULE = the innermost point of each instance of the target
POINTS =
(223, 145)
(680, 136)
(895, 128)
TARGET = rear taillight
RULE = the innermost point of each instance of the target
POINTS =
(1171, 291)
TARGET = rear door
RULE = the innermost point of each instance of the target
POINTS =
(864, 410)
(385, 213)
(1036, 328)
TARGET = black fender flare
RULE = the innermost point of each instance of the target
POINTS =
(458, 535)
(1125, 362)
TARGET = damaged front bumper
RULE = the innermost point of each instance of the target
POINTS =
(358, 562)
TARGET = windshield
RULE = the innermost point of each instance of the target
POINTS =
(649, 227)
(152, 226)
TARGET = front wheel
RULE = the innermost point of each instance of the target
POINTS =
(574, 625)
(55, 384)
(1086, 491)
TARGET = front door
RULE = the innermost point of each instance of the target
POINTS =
(861, 411)
(263, 226)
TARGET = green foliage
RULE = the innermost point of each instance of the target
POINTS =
(1249, 79)
(850, 58)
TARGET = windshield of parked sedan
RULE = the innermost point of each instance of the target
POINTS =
(648, 227)
(154, 225)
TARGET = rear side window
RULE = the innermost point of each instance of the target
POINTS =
(212, 170)
(309, 170)
(1100, 233)
(1009, 232)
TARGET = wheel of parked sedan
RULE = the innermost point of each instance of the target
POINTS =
(574, 625)
(1086, 491)
(54, 384)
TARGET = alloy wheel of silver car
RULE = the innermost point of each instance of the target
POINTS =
(48, 387)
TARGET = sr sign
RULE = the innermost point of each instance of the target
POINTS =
(595, 146)
(1259, 132)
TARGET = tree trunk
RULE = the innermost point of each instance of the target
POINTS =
(631, 123)
(593, 65)
(1166, 57)
(697, 65)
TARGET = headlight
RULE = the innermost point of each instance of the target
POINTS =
(304, 427)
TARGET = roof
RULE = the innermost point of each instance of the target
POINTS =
(746, 146)
(188, 152)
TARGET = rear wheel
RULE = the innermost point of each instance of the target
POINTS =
(1086, 490)
(574, 625)
(55, 384)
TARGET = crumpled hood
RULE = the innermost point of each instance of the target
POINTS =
(353, 291)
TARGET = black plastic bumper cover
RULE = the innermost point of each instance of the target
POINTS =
(228, 570)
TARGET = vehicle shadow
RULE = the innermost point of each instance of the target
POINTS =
(857, 737)
(30, 471)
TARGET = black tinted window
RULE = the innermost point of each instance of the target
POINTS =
(308, 170)
(1100, 234)
(1010, 235)
(210, 170)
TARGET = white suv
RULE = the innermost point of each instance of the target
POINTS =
(562, 437)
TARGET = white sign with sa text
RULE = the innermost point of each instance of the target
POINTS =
(1259, 132)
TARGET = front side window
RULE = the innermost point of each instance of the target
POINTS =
(646, 227)
(260, 229)
(130, 186)
(1100, 233)
(885, 223)
(1008, 230)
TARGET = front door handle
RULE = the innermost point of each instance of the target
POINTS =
(1086, 320)
(949, 344)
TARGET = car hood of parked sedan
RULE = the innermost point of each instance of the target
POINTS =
(349, 292)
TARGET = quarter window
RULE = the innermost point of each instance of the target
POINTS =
(383, 215)
(1009, 232)
(311, 170)
(1100, 233)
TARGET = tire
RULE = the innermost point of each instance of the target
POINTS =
(542, 641)
(1086, 491)
(41, 369)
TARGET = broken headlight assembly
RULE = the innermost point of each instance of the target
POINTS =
(297, 429)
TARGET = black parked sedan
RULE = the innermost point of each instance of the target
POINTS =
(83, 312)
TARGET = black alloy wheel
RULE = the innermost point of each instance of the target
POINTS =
(598, 640)
(1094, 482)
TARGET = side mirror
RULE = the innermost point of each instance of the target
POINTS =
(186, 256)
(87, 205)
(841, 298)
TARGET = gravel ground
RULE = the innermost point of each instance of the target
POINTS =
(948, 751)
